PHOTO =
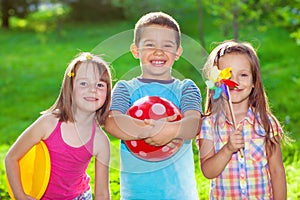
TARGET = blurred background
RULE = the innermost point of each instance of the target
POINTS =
(38, 38)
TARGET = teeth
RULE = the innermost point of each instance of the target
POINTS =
(158, 62)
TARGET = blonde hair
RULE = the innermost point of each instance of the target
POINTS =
(62, 107)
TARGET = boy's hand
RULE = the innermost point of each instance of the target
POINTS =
(174, 143)
(163, 131)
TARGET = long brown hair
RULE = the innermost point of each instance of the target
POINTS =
(62, 107)
(258, 100)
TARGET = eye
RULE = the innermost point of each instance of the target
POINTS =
(149, 45)
(101, 84)
(83, 83)
(168, 45)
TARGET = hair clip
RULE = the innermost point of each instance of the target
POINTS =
(89, 56)
(71, 74)
(220, 53)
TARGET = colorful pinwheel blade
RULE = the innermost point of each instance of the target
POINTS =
(210, 84)
(218, 92)
(229, 83)
(225, 90)
(225, 73)
(214, 74)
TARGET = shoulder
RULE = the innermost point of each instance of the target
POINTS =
(187, 85)
(186, 82)
(126, 83)
(46, 123)
(101, 141)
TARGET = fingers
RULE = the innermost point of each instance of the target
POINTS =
(172, 144)
(238, 139)
(152, 142)
(171, 118)
(235, 141)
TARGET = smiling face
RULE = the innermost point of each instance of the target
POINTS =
(89, 93)
(157, 51)
(241, 73)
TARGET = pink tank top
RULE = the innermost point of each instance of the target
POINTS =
(68, 177)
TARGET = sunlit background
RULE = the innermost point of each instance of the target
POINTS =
(38, 38)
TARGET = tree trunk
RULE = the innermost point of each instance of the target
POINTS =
(235, 24)
(200, 14)
(5, 13)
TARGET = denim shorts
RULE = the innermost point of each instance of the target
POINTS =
(87, 195)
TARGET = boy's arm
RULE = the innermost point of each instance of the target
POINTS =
(186, 128)
(124, 127)
(277, 171)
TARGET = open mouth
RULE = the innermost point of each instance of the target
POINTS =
(158, 62)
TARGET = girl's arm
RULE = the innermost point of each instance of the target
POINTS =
(31, 136)
(102, 155)
(124, 127)
(277, 171)
(212, 164)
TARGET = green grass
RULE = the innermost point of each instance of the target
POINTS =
(33, 64)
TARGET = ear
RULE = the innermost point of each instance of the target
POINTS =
(178, 53)
(134, 50)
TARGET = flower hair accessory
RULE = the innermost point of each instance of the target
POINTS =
(219, 80)
(71, 74)
(89, 56)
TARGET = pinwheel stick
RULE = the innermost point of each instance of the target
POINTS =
(232, 116)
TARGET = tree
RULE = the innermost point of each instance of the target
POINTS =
(19, 8)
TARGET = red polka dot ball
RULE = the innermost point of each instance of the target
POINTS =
(152, 107)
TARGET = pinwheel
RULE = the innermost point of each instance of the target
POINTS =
(219, 82)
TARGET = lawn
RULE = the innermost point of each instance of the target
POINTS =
(33, 65)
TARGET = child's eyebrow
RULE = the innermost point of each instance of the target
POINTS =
(150, 40)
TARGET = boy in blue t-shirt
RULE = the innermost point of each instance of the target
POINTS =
(157, 46)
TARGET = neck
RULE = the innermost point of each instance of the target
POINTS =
(84, 119)
(240, 110)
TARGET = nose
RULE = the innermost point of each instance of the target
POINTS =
(158, 51)
(234, 78)
(92, 87)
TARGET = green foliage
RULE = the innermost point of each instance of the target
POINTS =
(33, 65)
(49, 17)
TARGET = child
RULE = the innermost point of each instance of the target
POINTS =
(72, 133)
(157, 46)
(259, 173)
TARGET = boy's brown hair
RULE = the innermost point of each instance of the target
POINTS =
(156, 18)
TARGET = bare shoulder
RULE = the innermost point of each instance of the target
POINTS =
(101, 146)
(47, 123)
(101, 137)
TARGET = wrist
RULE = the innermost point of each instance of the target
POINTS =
(228, 149)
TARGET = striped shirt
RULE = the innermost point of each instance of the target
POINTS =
(173, 178)
(242, 178)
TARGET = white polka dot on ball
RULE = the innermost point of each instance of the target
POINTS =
(133, 143)
(165, 149)
(158, 109)
(139, 113)
(143, 154)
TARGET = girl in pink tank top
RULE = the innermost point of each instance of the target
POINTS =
(72, 131)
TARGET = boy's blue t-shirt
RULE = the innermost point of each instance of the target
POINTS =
(173, 178)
